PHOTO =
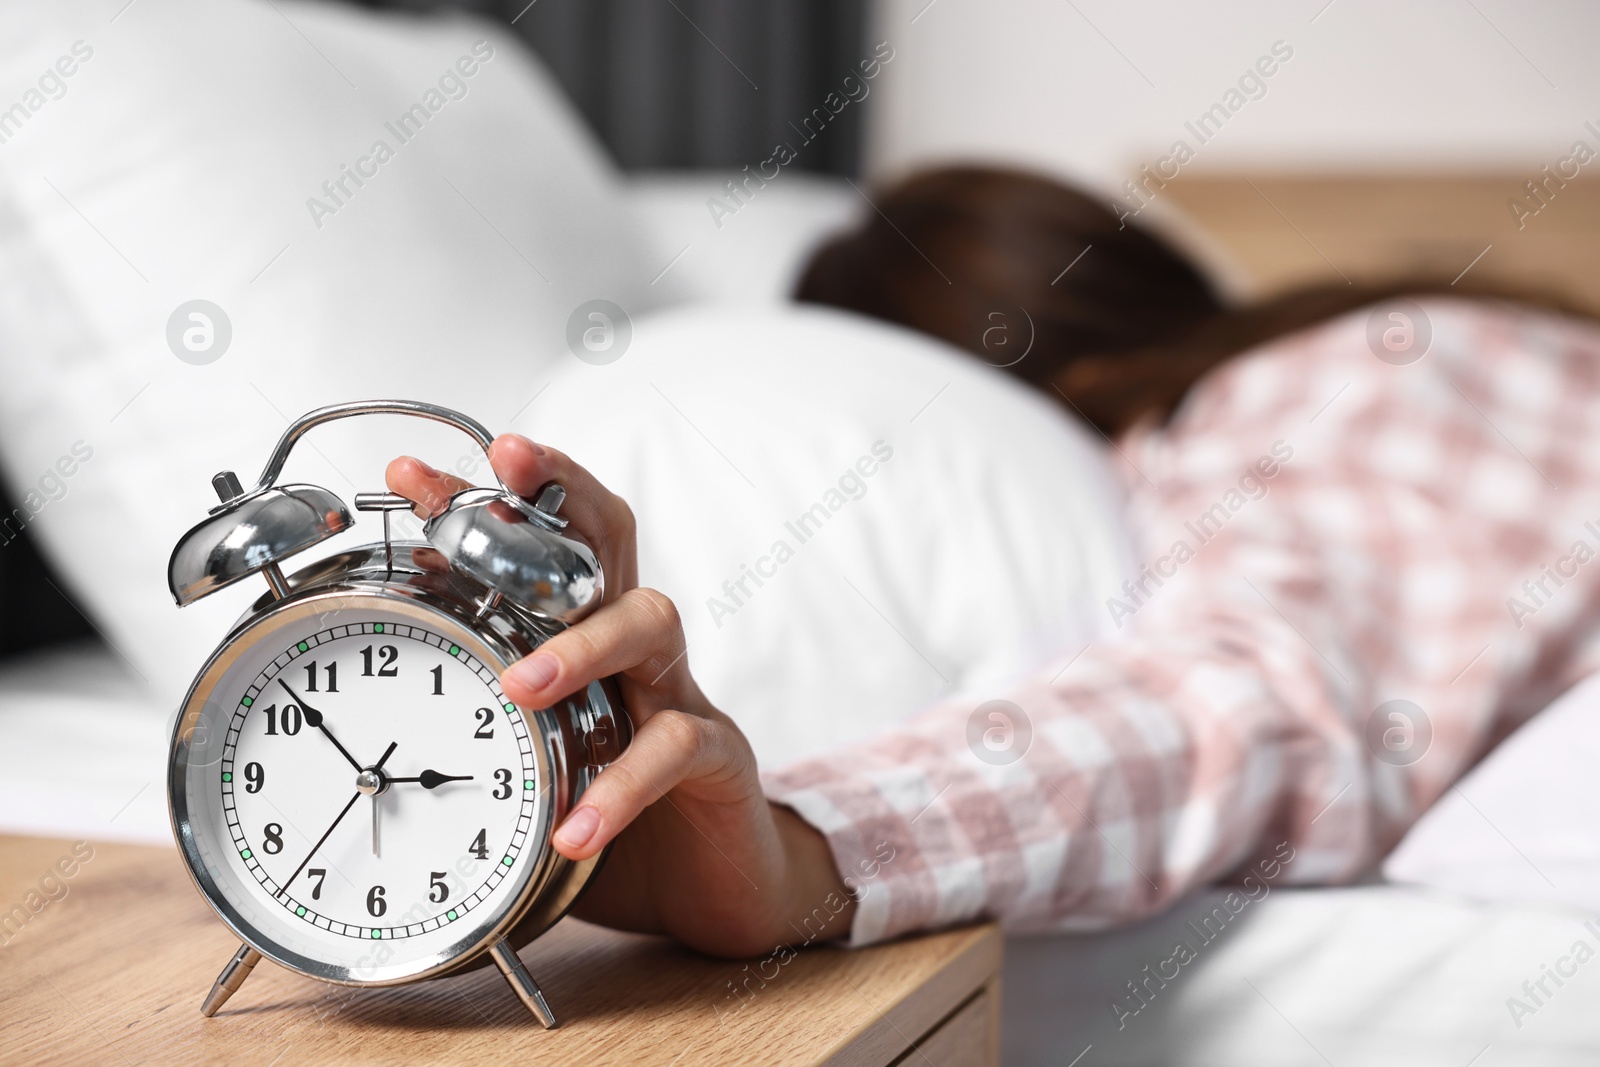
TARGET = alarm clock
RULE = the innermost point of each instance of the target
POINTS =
(350, 788)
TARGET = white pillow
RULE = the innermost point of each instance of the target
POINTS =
(754, 253)
(176, 162)
(1525, 823)
(965, 529)
(986, 541)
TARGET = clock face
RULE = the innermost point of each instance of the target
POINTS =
(359, 791)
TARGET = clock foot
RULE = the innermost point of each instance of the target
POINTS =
(231, 978)
(522, 983)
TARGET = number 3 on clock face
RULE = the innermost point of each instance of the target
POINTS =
(363, 796)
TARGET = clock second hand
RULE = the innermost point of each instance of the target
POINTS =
(378, 767)
(320, 840)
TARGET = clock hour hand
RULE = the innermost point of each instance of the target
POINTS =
(314, 717)
(431, 779)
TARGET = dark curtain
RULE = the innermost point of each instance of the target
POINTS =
(695, 83)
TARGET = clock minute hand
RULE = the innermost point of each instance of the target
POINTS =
(314, 717)
(432, 779)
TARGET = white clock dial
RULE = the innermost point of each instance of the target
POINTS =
(366, 797)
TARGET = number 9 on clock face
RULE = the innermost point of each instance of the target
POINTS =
(364, 801)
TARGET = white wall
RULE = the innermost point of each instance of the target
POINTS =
(1421, 84)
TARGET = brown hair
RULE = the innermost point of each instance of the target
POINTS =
(1121, 323)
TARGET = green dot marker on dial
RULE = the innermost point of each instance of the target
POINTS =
(227, 776)
(528, 784)
(247, 702)
(377, 934)
(506, 861)
(451, 915)
(511, 707)
(300, 910)
(455, 650)
(302, 646)
(245, 853)
(377, 628)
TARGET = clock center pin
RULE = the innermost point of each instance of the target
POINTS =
(371, 782)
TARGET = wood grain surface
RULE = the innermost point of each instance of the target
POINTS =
(113, 970)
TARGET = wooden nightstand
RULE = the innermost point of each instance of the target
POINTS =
(114, 971)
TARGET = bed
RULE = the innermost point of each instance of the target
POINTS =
(1377, 973)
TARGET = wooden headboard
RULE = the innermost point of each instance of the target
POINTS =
(1281, 231)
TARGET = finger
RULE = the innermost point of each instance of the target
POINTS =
(638, 635)
(594, 511)
(429, 489)
(669, 749)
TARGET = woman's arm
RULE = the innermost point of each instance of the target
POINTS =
(1350, 531)
(1320, 644)
(1216, 741)
(1146, 768)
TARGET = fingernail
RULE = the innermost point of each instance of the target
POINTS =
(536, 671)
(579, 828)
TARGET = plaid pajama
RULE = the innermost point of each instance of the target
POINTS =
(1425, 534)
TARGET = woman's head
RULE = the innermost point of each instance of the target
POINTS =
(1121, 325)
(990, 259)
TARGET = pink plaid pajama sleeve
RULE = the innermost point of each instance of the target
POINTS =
(1324, 533)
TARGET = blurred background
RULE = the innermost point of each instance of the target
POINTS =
(1391, 139)
(689, 84)
(1089, 90)
(1093, 92)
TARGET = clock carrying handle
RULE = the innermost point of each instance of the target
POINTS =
(312, 419)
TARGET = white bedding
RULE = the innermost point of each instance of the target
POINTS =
(1367, 975)
(82, 756)
(1525, 823)
(1372, 975)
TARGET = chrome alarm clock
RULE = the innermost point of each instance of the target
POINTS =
(352, 791)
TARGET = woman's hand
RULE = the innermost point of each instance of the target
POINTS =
(697, 850)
